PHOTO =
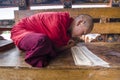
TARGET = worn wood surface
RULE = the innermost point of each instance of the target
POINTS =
(6, 44)
(106, 28)
(13, 67)
(64, 59)
(110, 52)
(59, 74)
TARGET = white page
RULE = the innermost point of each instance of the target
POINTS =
(95, 59)
(83, 56)
(79, 57)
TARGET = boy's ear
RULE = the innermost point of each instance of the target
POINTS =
(79, 22)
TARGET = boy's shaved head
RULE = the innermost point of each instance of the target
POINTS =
(82, 24)
(86, 20)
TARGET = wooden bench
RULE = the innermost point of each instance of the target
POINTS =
(63, 67)
(97, 13)
(60, 68)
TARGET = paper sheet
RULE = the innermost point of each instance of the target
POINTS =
(83, 56)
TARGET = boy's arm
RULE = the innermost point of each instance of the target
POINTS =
(69, 45)
(71, 42)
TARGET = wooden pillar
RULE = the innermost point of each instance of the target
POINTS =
(24, 4)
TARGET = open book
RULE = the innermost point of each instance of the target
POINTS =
(83, 56)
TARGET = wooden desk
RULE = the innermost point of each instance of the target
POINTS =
(62, 67)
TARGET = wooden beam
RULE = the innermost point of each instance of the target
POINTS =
(94, 12)
(106, 28)
(60, 74)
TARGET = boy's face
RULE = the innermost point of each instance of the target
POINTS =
(79, 30)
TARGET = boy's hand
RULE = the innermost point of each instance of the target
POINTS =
(71, 43)
(68, 46)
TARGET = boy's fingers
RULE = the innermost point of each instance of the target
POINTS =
(71, 42)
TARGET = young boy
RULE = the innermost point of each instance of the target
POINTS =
(43, 35)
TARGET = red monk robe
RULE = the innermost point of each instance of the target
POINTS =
(38, 34)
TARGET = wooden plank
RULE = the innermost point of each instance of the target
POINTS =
(59, 74)
(5, 29)
(113, 12)
(106, 28)
(6, 44)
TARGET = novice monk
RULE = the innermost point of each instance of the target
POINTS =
(42, 34)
